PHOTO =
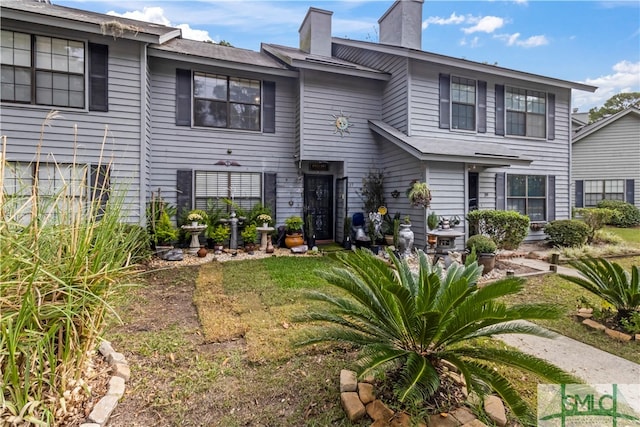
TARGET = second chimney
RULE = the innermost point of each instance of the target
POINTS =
(315, 32)
(401, 25)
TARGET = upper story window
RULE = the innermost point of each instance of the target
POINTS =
(220, 101)
(463, 103)
(526, 112)
(226, 102)
(527, 194)
(42, 70)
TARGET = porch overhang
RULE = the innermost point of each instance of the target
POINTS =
(433, 149)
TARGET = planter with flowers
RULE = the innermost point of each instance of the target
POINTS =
(197, 216)
(293, 227)
(265, 219)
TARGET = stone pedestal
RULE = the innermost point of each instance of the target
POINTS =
(264, 236)
(194, 230)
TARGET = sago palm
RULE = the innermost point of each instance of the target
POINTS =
(610, 282)
(412, 321)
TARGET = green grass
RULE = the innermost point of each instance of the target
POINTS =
(629, 235)
(565, 295)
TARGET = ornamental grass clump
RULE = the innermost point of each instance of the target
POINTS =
(63, 255)
(408, 323)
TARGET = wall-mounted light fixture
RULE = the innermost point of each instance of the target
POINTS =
(395, 194)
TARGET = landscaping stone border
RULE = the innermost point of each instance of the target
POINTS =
(358, 399)
(121, 373)
(584, 316)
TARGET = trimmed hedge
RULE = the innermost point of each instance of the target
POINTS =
(482, 244)
(567, 232)
(628, 214)
(507, 229)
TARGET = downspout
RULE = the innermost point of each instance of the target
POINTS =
(143, 136)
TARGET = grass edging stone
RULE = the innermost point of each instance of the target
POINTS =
(101, 412)
(620, 336)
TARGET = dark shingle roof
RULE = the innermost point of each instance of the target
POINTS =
(97, 23)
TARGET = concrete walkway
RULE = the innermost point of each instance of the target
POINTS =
(592, 365)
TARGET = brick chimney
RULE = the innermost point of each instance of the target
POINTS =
(401, 25)
(315, 32)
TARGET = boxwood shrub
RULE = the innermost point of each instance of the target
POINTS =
(567, 232)
(628, 214)
(506, 228)
(482, 244)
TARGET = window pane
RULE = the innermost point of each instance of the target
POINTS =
(592, 186)
(536, 209)
(8, 92)
(210, 113)
(59, 63)
(516, 99)
(76, 83)
(210, 86)
(17, 178)
(6, 55)
(536, 186)
(515, 123)
(244, 90)
(536, 102)
(60, 81)
(60, 97)
(76, 57)
(23, 93)
(6, 38)
(463, 117)
(245, 117)
(22, 57)
(536, 126)
(43, 60)
(516, 185)
(76, 99)
(517, 205)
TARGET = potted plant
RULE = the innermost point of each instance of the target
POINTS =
(249, 235)
(219, 234)
(165, 234)
(419, 194)
(432, 222)
(265, 219)
(293, 228)
(485, 250)
(197, 216)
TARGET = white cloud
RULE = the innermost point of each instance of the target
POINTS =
(514, 40)
(486, 24)
(625, 78)
(436, 20)
(156, 15)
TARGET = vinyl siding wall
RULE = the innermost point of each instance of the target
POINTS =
(551, 157)
(612, 152)
(22, 123)
(326, 95)
(183, 147)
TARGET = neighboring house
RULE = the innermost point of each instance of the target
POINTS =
(295, 128)
(578, 120)
(606, 160)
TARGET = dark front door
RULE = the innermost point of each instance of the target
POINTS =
(318, 202)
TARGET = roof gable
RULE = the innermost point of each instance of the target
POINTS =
(594, 127)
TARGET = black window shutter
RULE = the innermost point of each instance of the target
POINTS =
(630, 196)
(100, 186)
(445, 95)
(579, 194)
(482, 106)
(98, 77)
(184, 187)
(551, 116)
(500, 191)
(269, 107)
(183, 97)
(269, 192)
(551, 198)
(499, 109)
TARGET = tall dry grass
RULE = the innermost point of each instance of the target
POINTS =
(63, 256)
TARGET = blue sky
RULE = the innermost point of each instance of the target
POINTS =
(592, 42)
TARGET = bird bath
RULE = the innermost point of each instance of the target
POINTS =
(194, 230)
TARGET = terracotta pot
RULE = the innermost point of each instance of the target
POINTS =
(202, 252)
(487, 261)
(293, 240)
(432, 239)
(388, 238)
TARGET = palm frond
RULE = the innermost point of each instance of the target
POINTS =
(418, 380)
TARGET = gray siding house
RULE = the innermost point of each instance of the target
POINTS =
(606, 160)
(295, 128)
